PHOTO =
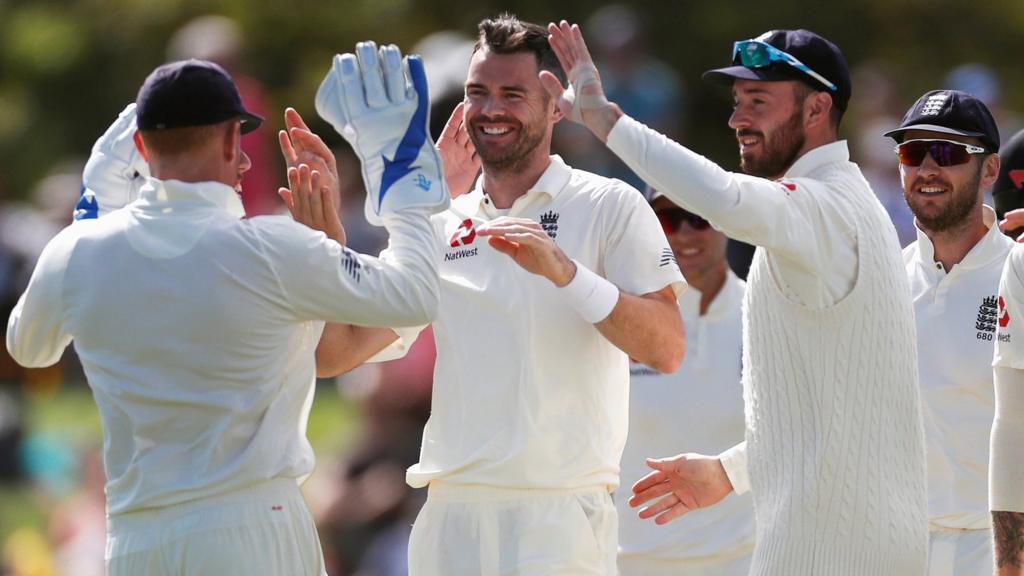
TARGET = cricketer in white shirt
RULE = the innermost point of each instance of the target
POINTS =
(956, 314)
(529, 398)
(197, 329)
(1006, 467)
(700, 408)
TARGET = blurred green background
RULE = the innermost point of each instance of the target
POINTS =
(68, 68)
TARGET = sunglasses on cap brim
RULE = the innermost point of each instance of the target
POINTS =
(760, 54)
(943, 152)
(672, 218)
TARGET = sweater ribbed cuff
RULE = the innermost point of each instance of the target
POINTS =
(734, 460)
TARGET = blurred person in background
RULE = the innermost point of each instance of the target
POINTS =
(643, 85)
(946, 149)
(1007, 190)
(1006, 467)
(984, 83)
(77, 525)
(827, 279)
(699, 406)
(874, 111)
(220, 39)
(366, 519)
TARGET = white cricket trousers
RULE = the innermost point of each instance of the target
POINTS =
(265, 530)
(724, 565)
(465, 530)
(953, 552)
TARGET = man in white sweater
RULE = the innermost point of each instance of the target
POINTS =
(834, 450)
(197, 329)
(947, 144)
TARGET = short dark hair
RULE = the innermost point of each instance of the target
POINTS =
(174, 142)
(507, 34)
(801, 90)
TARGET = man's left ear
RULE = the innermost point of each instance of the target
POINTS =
(989, 170)
(137, 138)
(232, 137)
(817, 108)
(556, 113)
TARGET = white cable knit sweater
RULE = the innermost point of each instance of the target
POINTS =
(835, 449)
(834, 443)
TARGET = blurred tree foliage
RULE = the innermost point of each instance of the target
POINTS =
(68, 67)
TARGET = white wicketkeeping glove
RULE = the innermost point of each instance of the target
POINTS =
(378, 101)
(115, 171)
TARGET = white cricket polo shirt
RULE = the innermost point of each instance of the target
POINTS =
(699, 408)
(956, 315)
(1009, 348)
(526, 393)
(197, 333)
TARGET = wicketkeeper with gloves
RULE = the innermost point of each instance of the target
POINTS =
(197, 328)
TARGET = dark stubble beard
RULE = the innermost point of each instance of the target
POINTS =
(955, 212)
(779, 152)
(511, 157)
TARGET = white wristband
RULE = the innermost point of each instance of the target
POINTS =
(590, 295)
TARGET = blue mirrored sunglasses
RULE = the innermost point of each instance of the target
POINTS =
(759, 54)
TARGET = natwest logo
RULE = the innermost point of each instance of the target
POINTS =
(464, 234)
(1004, 316)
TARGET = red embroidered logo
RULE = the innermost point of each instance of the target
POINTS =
(788, 186)
(1017, 177)
(1004, 316)
(464, 234)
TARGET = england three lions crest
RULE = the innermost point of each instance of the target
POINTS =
(549, 222)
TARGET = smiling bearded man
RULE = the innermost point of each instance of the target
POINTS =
(834, 454)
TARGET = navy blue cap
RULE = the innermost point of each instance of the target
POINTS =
(190, 93)
(813, 50)
(950, 112)
(1008, 189)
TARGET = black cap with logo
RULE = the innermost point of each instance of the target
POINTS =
(950, 112)
(190, 93)
(823, 58)
(1008, 189)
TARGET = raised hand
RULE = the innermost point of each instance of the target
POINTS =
(681, 483)
(461, 163)
(115, 170)
(530, 246)
(299, 145)
(378, 102)
(585, 92)
(311, 202)
(1013, 220)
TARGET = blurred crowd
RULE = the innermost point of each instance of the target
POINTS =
(363, 507)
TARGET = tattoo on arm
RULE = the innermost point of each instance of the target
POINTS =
(1008, 533)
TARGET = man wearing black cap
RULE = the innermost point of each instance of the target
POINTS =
(197, 332)
(1007, 190)
(946, 148)
(834, 435)
(1006, 467)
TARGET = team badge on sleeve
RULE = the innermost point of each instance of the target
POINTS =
(1009, 346)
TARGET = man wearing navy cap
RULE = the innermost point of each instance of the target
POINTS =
(834, 452)
(946, 149)
(197, 329)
